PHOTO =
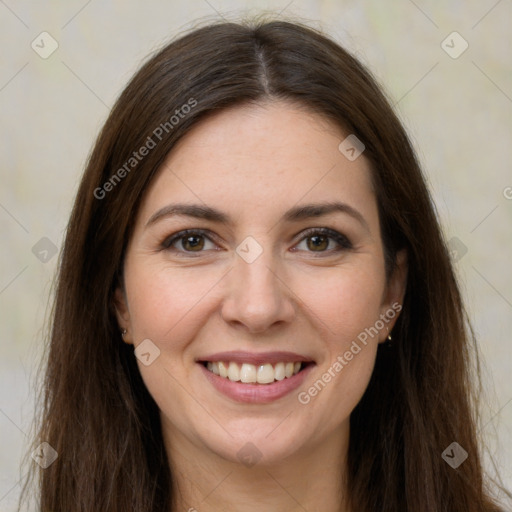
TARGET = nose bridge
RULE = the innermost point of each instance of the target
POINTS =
(255, 272)
(258, 276)
(257, 296)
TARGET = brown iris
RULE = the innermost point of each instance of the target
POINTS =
(318, 242)
(195, 243)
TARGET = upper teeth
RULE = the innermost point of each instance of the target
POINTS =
(262, 374)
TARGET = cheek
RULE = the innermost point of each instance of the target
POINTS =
(347, 305)
(168, 306)
(345, 300)
(348, 312)
(162, 300)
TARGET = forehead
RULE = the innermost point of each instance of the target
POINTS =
(260, 158)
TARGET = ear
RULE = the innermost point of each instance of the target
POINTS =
(122, 313)
(394, 294)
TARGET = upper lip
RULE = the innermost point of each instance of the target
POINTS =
(239, 356)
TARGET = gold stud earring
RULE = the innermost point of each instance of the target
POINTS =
(388, 342)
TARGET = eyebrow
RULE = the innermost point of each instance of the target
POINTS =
(295, 214)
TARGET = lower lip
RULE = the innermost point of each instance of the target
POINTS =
(256, 393)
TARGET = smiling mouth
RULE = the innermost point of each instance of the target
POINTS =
(255, 374)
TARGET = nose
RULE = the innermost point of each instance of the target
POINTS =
(257, 296)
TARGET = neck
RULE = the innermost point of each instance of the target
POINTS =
(206, 482)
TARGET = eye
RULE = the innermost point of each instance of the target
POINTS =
(320, 240)
(188, 241)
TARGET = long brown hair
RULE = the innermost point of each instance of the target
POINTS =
(96, 412)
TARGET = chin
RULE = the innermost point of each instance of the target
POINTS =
(262, 442)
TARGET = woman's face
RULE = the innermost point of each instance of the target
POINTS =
(268, 276)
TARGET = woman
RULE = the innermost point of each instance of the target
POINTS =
(254, 222)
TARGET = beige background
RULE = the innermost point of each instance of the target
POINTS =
(457, 110)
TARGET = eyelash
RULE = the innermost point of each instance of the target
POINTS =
(342, 241)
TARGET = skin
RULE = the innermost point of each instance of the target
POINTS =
(254, 163)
